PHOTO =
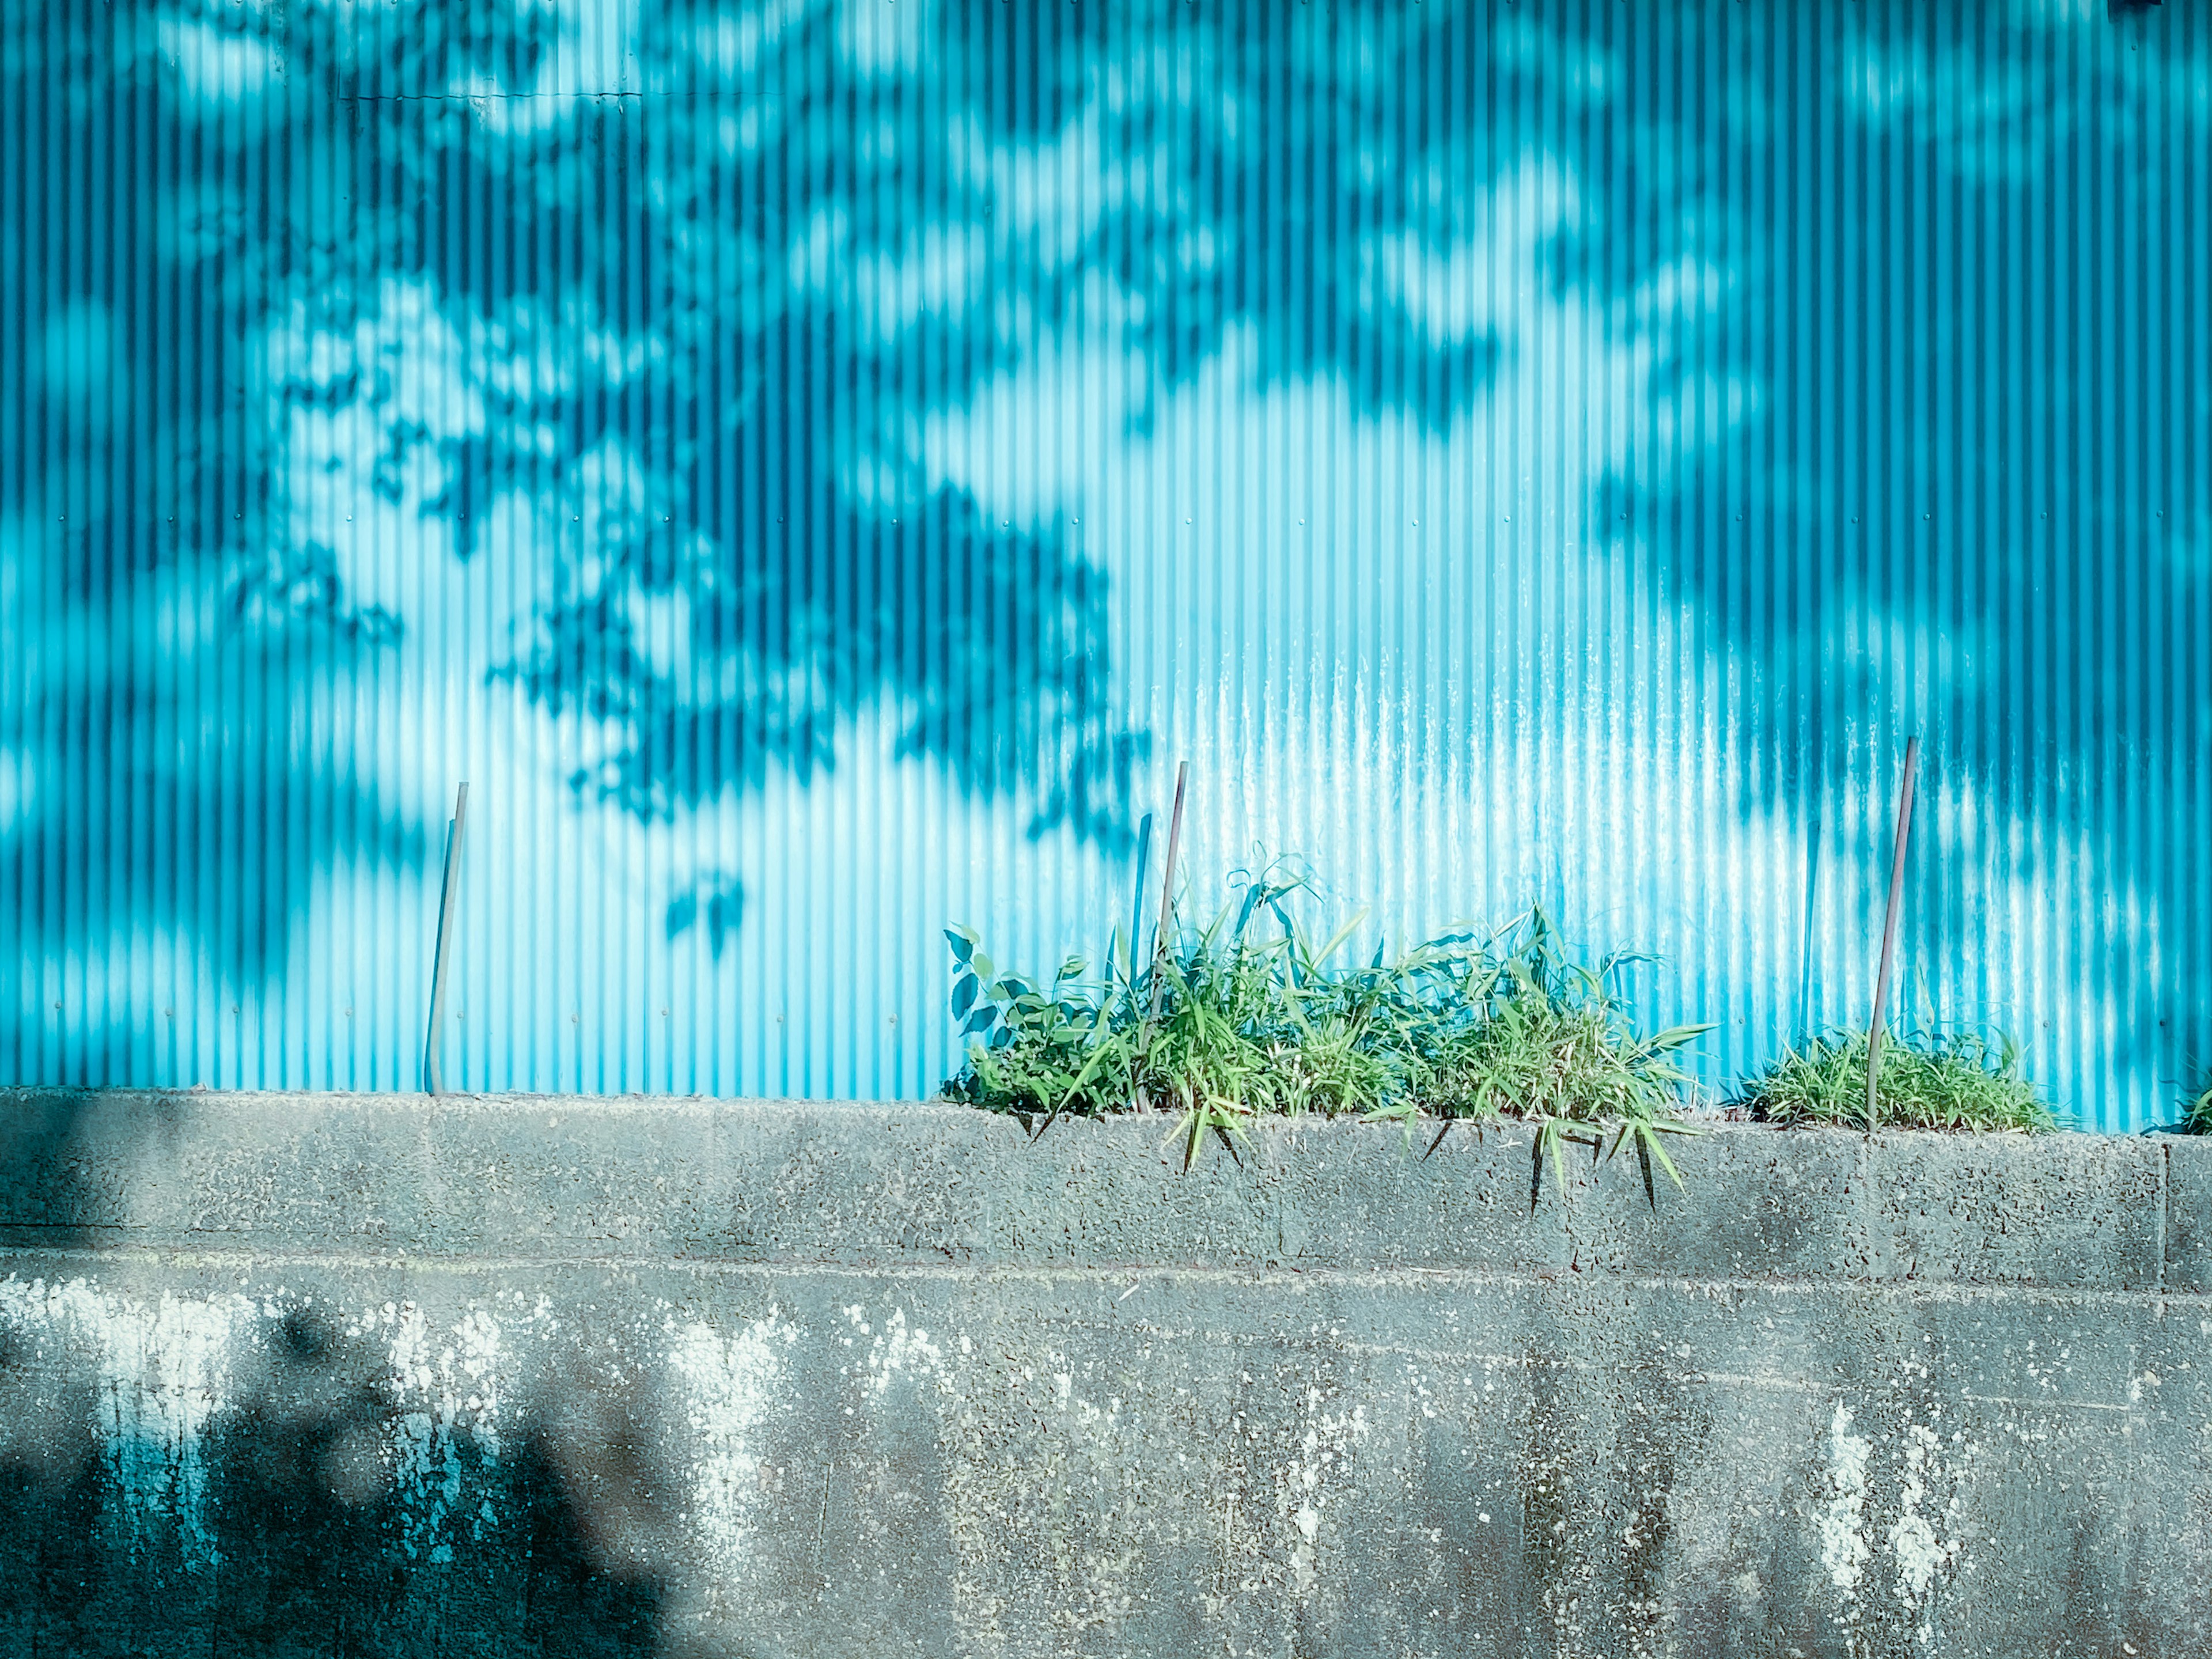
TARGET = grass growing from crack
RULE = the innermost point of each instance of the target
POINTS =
(1249, 1016)
(1927, 1080)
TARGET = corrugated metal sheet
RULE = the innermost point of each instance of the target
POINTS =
(814, 467)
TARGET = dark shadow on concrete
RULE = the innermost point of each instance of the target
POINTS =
(45, 1194)
(289, 1565)
(287, 1529)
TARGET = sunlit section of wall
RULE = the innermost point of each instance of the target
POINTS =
(815, 466)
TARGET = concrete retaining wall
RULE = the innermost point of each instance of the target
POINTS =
(384, 1374)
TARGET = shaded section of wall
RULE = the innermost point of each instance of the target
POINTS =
(293, 1548)
(563, 1376)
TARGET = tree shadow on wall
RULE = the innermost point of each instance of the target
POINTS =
(690, 323)
(695, 339)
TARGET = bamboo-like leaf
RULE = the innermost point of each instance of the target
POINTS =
(1336, 940)
(1099, 1053)
(1674, 1037)
(1651, 1141)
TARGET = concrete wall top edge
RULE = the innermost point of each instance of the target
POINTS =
(701, 1179)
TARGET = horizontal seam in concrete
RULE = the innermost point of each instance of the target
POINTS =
(985, 1272)
(1447, 1358)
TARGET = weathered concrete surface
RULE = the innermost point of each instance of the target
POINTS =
(322, 1374)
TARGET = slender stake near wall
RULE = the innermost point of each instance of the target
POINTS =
(1162, 935)
(1889, 921)
(447, 905)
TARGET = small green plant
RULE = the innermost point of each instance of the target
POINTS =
(1553, 1043)
(1927, 1080)
(2197, 1114)
(1249, 1016)
(1226, 1023)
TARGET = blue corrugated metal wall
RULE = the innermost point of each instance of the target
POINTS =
(814, 466)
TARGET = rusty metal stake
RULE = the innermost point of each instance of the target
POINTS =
(1160, 945)
(447, 903)
(1160, 942)
(1889, 919)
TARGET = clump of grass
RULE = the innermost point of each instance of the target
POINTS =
(1927, 1080)
(1248, 1015)
(1552, 1041)
(2197, 1114)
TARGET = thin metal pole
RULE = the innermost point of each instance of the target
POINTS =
(1161, 937)
(1889, 919)
(447, 905)
(1162, 941)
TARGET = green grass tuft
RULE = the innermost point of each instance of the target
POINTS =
(2197, 1114)
(1250, 1015)
(1929, 1080)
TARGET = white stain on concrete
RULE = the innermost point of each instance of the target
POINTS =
(726, 1385)
(1845, 1543)
(897, 1348)
(446, 1387)
(428, 1459)
(160, 1371)
(1922, 1554)
(1303, 1492)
